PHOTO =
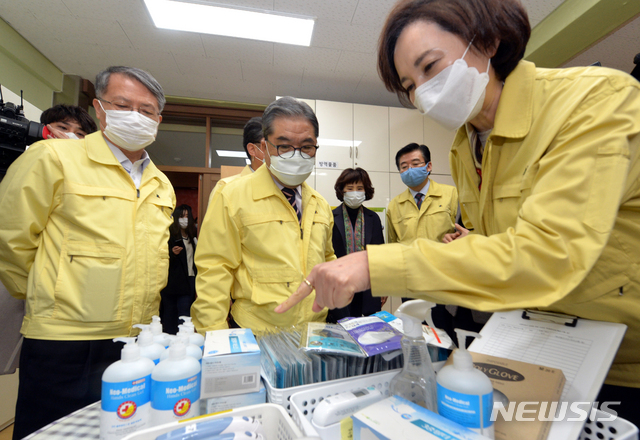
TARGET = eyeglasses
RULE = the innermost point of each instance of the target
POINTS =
(414, 164)
(287, 151)
(145, 110)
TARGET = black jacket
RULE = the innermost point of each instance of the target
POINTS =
(363, 303)
(178, 282)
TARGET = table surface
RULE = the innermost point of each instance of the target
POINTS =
(82, 424)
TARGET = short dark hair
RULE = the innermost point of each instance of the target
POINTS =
(482, 21)
(143, 77)
(351, 175)
(252, 133)
(64, 113)
(175, 228)
(426, 154)
(287, 107)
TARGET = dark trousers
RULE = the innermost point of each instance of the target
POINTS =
(174, 306)
(629, 409)
(58, 378)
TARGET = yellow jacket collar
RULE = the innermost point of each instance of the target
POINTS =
(435, 190)
(264, 186)
(516, 93)
(98, 150)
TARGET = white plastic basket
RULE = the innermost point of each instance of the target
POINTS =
(304, 402)
(281, 396)
(618, 429)
(276, 423)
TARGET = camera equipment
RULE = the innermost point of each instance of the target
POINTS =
(636, 70)
(16, 132)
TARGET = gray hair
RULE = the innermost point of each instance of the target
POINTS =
(145, 78)
(287, 107)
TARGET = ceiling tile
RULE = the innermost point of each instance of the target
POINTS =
(335, 35)
(145, 37)
(373, 13)
(253, 4)
(313, 58)
(356, 62)
(238, 49)
(333, 10)
(121, 10)
(539, 9)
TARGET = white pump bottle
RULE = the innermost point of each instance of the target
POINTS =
(149, 348)
(126, 393)
(417, 380)
(192, 350)
(158, 335)
(465, 394)
(194, 337)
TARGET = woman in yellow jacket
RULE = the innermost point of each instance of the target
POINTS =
(547, 169)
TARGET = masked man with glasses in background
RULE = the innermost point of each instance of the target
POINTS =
(263, 233)
(84, 243)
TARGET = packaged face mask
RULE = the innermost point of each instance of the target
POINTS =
(372, 334)
(329, 338)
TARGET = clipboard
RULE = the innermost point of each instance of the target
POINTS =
(583, 349)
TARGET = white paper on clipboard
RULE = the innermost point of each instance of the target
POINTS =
(584, 353)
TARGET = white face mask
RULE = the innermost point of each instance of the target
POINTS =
(129, 129)
(291, 171)
(455, 95)
(184, 222)
(72, 135)
(353, 199)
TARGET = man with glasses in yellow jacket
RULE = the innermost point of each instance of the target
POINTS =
(264, 233)
(85, 225)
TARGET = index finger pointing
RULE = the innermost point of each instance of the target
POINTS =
(301, 293)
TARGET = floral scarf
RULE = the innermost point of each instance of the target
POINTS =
(354, 236)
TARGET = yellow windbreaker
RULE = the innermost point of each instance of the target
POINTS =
(557, 221)
(86, 251)
(251, 240)
(246, 171)
(436, 216)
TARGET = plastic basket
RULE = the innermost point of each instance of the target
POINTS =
(618, 429)
(304, 402)
(276, 423)
(281, 396)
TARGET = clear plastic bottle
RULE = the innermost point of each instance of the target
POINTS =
(465, 394)
(126, 393)
(175, 386)
(148, 347)
(192, 350)
(194, 337)
(417, 380)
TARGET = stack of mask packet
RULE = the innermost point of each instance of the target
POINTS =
(231, 370)
(438, 341)
(316, 352)
(373, 335)
(395, 418)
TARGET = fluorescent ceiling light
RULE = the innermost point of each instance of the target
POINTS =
(207, 18)
(230, 153)
(337, 143)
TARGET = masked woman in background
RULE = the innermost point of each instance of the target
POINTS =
(355, 227)
(180, 292)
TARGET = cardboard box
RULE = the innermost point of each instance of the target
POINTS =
(521, 382)
(230, 363)
(395, 418)
(224, 403)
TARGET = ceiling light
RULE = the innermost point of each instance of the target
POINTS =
(230, 153)
(207, 18)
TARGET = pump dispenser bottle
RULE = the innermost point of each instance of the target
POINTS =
(126, 393)
(194, 337)
(417, 380)
(149, 348)
(192, 350)
(465, 394)
(158, 335)
(175, 386)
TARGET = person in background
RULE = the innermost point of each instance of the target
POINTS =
(68, 122)
(265, 232)
(426, 209)
(251, 139)
(355, 227)
(547, 163)
(85, 225)
(180, 292)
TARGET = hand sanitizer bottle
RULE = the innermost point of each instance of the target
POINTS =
(192, 350)
(149, 348)
(175, 386)
(126, 393)
(194, 338)
(158, 335)
(417, 380)
(465, 394)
